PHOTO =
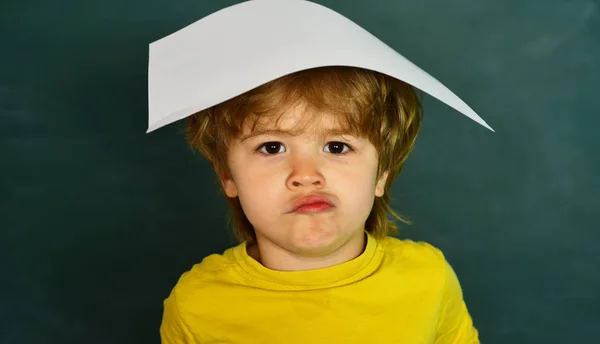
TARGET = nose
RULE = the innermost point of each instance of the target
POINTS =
(305, 173)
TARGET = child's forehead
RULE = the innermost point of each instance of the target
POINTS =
(296, 121)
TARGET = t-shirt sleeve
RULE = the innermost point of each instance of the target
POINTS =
(173, 329)
(455, 325)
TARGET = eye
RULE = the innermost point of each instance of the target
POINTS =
(271, 148)
(337, 147)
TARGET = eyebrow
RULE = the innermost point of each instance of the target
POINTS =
(278, 132)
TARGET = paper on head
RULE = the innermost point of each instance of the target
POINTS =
(246, 45)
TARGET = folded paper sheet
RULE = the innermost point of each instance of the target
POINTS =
(246, 45)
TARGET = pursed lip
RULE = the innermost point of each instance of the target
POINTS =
(310, 199)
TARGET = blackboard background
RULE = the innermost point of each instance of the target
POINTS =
(99, 219)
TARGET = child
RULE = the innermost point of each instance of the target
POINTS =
(306, 162)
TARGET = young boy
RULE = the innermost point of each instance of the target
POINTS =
(306, 162)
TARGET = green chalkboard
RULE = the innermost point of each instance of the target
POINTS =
(99, 219)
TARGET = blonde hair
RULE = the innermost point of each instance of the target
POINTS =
(368, 104)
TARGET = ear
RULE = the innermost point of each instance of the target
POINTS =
(229, 187)
(380, 186)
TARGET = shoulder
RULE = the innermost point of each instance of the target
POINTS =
(425, 270)
(198, 283)
(188, 305)
(423, 261)
(415, 252)
(418, 260)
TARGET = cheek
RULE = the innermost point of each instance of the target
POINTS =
(356, 177)
(257, 192)
(355, 186)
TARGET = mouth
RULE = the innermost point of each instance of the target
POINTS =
(311, 204)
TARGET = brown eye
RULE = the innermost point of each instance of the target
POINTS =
(337, 147)
(271, 148)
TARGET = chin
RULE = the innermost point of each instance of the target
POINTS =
(317, 239)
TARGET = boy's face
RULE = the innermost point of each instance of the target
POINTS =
(272, 173)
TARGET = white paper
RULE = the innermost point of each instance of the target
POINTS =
(246, 45)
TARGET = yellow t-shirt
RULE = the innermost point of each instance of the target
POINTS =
(396, 291)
